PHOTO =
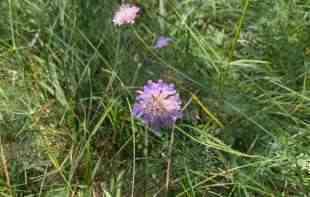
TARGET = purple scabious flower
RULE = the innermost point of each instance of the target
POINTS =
(162, 42)
(158, 105)
(126, 14)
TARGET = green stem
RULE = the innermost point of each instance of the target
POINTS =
(226, 70)
(145, 152)
(162, 12)
(169, 162)
(238, 30)
(12, 24)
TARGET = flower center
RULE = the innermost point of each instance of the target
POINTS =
(156, 106)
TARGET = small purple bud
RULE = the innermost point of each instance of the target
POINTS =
(162, 42)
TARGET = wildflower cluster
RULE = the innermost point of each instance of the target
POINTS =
(158, 105)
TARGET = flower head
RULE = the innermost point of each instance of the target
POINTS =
(162, 42)
(126, 14)
(158, 105)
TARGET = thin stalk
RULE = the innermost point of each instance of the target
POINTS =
(5, 169)
(226, 70)
(133, 165)
(133, 153)
(12, 24)
(145, 152)
(162, 13)
(116, 61)
(238, 29)
(169, 162)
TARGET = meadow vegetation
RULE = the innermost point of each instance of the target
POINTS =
(68, 82)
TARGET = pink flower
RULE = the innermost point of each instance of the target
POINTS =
(126, 14)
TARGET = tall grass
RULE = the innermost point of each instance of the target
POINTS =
(68, 78)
